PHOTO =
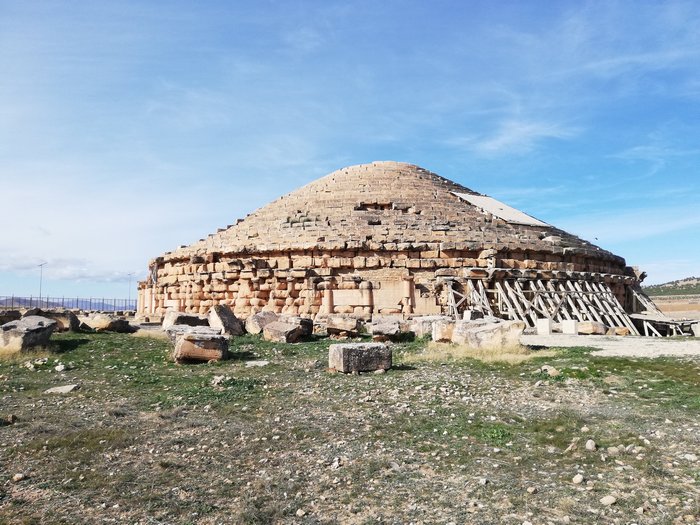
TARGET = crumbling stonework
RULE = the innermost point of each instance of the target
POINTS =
(384, 238)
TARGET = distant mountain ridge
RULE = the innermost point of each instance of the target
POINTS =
(687, 286)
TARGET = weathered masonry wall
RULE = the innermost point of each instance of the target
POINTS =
(401, 278)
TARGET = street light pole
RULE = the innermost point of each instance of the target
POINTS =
(129, 300)
(41, 278)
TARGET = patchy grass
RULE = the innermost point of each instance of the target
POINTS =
(437, 439)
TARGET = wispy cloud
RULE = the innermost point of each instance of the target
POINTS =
(515, 136)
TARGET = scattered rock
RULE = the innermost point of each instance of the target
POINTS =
(591, 445)
(690, 457)
(301, 512)
(550, 371)
(60, 367)
(608, 500)
(532, 490)
(423, 325)
(65, 389)
(19, 477)
(256, 363)
(8, 420)
(578, 479)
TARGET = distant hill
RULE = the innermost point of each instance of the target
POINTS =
(687, 286)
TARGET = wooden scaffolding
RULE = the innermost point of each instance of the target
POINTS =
(529, 299)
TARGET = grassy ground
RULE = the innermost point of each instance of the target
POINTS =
(439, 439)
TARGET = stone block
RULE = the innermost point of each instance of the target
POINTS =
(257, 322)
(386, 328)
(423, 325)
(359, 357)
(488, 334)
(543, 326)
(24, 334)
(174, 332)
(592, 328)
(200, 347)
(9, 315)
(106, 323)
(569, 326)
(65, 319)
(442, 330)
(173, 317)
(281, 332)
(307, 325)
(336, 324)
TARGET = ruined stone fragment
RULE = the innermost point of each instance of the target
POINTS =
(592, 328)
(200, 347)
(257, 322)
(173, 317)
(221, 316)
(24, 334)
(281, 332)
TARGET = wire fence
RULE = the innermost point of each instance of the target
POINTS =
(15, 302)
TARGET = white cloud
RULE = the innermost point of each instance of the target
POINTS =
(516, 136)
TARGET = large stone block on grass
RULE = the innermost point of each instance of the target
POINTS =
(200, 347)
(280, 332)
(592, 328)
(173, 317)
(359, 357)
(26, 333)
(221, 316)
(486, 334)
(257, 322)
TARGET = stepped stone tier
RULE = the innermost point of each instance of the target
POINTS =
(389, 238)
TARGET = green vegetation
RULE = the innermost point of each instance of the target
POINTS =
(145, 440)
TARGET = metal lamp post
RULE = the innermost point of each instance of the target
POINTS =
(41, 279)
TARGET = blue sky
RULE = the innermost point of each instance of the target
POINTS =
(128, 128)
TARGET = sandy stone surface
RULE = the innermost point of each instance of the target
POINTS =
(620, 346)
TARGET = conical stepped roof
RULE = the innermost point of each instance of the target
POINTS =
(370, 205)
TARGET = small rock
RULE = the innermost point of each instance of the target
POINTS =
(379, 371)
(483, 481)
(608, 500)
(257, 363)
(19, 477)
(532, 490)
(65, 389)
(60, 367)
(690, 457)
(8, 420)
(584, 429)
(550, 371)
(578, 479)
(591, 445)
(301, 512)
